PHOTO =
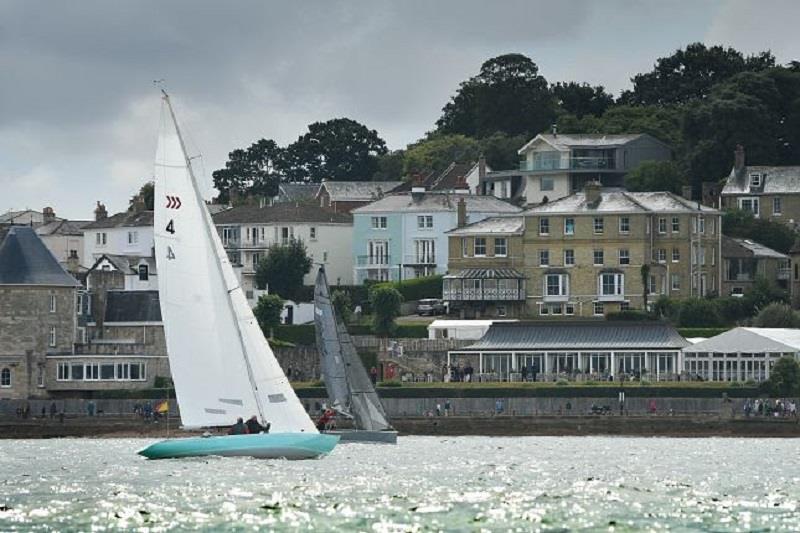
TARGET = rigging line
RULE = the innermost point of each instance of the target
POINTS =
(207, 225)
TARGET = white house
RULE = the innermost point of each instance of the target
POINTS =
(129, 233)
(247, 232)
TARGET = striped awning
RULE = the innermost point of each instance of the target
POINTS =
(486, 273)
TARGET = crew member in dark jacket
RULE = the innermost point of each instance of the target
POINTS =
(254, 427)
(238, 428)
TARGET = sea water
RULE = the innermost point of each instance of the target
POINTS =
(422, 484)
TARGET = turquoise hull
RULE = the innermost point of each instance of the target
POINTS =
(263, 446)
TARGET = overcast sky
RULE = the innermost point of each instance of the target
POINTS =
(79, 113)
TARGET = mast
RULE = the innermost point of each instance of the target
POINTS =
(207, 228)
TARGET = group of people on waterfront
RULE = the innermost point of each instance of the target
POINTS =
(457, 372)
(25, 412)
(781, 408)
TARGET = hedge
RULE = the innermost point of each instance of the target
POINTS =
(570, 391)
(296, 334)
(701, 332)
(412, 331)
(417, 288)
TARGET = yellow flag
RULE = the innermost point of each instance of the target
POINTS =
(162, 407)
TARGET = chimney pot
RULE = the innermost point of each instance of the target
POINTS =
(48, 214)
(592, 190)
(100, 212)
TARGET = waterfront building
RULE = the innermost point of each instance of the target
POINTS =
(460, 329)
(64, 239)
(554, 165)
(575, 350)
(745, 261)
(741, 354)
(485, 267)
(38, 300)
(770, 192)
(247, 232)
(404, 235)
(129, 233)
(344, 196)
(136, 273)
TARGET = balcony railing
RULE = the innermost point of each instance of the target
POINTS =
(419, 259)
(572, 163)
(373, 261)
(462, 295)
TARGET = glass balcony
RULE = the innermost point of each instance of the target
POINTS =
(373, 261)
(572, 163)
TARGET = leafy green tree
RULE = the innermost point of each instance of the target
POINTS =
(385, 302)
(698, 313)
(651, 176)
(666, 308)
(283, 269)
(500, 150)
(256, 170)
(339, 149)
(581, 99)
(268, 312)
(777, 315)
(691, 73)
(437, 152)
(742, 224)
(343, 304)
(784, 378)
(508, 95)
(390, 166)
(146, 192)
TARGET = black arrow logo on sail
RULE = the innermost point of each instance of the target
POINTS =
(173, 202)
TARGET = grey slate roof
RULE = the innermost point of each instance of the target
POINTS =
(732, 247)
(63, 227)
(436, 201)
(132, 306)
(600, 335)
(25, 260)
(25, 216)
(776, 180)
(613, 200)
(566, 141)
(357, 191)
(498, 225)
(751, 340)
(486, 273)
(281, 213)
(297, 192)
(125, 219)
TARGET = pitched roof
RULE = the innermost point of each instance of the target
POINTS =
(63, 227)
(125, 219)
(565, 141)
(432, 201)
(613, 200)
(486, 273)
(25, 260)
(751, 340)
(357, 191)
(19, 217)
(297, 192)
(132, 306)
(128, 264)
(449, 178)
(599, 335)
(775, 180)
(281, 213)
(733, 247)
(507, 225)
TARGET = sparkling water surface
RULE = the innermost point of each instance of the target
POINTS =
(422, 484)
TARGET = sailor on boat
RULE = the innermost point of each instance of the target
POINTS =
(254, 427)
(238, 428)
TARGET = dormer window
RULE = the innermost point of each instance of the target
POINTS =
(755, 179)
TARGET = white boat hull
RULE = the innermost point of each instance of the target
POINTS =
(365, 436)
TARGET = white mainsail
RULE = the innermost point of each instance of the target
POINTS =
(221, 364)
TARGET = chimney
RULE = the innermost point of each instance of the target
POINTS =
(73, 263)
(481, 168)
(738, 158)
(592, 191)
(139, 204)
(48, 215)
(418, 188)
(554, 128)
(461, 213)
(686, 192)
(100, 212)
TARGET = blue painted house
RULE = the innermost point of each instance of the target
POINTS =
(403, 235)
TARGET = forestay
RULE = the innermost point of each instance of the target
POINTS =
(346, 380)
(220, 362)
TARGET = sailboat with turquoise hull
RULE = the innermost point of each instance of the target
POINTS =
(221, 364)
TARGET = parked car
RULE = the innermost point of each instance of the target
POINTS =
(430, 306)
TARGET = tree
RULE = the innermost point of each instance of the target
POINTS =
(256, 170)
(690, 74)
(508, 95)
(651, 176)
(390, 166)
(268, 312)
(698, 313)
(342, 304)
(742, 224)
(501, 150)
(581, 99)
(283, 269)
(777, 315)
(437, 152)
(784, 378)
(339, 149)
(385, 302)
(146, 193)
(662, 122)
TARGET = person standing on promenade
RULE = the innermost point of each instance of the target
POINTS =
(447, 408)
(53, 410)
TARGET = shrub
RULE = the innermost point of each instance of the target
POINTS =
(268, 312)
(702, 332)
(697, 312)
(385, 384)
(343, 304)
(666, 308)
(784, 378)
(644, 383)
(304, 334)
(386, 308)
(562, 382)
(777, 315)
(412, 331)
(629, 315)
(417, 288)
